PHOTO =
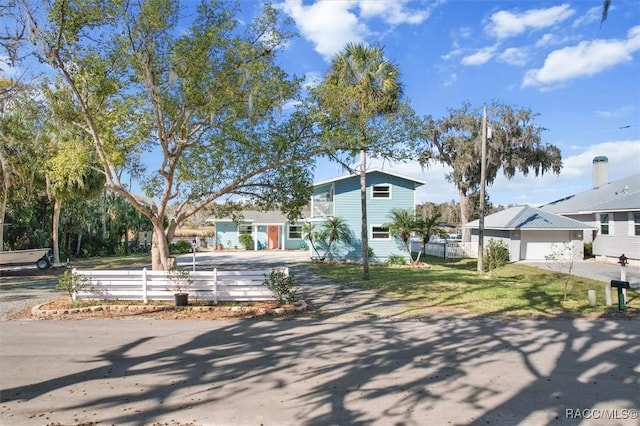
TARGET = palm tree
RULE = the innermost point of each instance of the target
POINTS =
(335, 230)
(310, 233)
(428, 224)
(361, 85)
(402, 225)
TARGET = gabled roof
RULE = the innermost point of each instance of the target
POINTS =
(621, 195)
(258, 217)
(375, 170)
(527, 217)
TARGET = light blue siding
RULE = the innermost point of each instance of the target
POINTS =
(348, 207)
(227, 235)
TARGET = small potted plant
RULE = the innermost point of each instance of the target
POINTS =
(181, 281)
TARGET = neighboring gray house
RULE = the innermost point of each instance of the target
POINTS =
(611, 209)
(530, 233)
(269, 229)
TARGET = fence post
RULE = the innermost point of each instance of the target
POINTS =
(215, 286)
(144, 285)
(74, 294)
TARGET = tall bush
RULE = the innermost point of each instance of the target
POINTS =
(247, 241)
(495, 255)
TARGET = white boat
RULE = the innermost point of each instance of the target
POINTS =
(39, 257)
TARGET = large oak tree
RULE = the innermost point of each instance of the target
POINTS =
(515, 147)
(193, 111)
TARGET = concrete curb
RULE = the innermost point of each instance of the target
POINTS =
(39, 313)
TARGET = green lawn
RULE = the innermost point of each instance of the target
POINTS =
(513, 290)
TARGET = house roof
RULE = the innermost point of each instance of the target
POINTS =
(258, 217)
(621, 195)
(375, 170)
(527, 218)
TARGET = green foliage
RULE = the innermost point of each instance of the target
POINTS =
(334, 230)
(403, 224)
(515, 146)
(588, 250)
(496, 255)
(180, 280)
(247, 241)
(71, 283)
(208, 97)
(396, 259)
(282, 285)
(513, 291)
(180, 247)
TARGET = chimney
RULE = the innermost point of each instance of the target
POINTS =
(600, 171)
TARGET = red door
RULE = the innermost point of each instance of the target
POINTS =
(272, 236)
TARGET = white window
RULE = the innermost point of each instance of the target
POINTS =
(380, 233)
(636, 224)
(245, 229)
(381, 191)
(295, 232)
(604, 223)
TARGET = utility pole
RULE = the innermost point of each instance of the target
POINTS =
(483, 178)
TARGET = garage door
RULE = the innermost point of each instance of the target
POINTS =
(535, 245)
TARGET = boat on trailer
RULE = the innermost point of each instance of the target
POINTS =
(39, 257)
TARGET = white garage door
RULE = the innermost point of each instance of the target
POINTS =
(535, 245)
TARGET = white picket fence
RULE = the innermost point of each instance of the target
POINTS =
(450, 250)
(242, 285)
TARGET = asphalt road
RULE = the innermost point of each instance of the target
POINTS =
(346, 367)
(319, 372)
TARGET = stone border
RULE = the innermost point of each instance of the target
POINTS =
(124, 310)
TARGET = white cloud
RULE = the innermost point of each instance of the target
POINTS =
(514, 56)
(594, 14)
(584, 59)
(330, 25)
(482, 56)
(392, 12)
(505, 24)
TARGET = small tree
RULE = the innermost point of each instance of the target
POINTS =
(561, 260)
(282, 286)
(310, 233)
(402, 225)
(334, 230)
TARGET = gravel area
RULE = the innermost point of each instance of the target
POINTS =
(23, 288)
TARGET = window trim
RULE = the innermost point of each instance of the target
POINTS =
(289, 232)
(602, 224)
(390, 192)
(371, 233)
(241, 225)
(634, 230)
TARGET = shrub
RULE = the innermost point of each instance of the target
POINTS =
(182, 246)
(396, 259)
(71, 282)
(495, 255)
(282, 286)
(588, 250)
(247, 241)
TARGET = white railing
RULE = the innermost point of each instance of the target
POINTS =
(247, 285)
(450, 250)
(322, 208)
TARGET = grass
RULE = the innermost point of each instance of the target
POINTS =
(513, 291)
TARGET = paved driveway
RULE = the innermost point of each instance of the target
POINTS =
(599, 271)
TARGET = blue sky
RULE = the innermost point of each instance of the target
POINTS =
(552, 57)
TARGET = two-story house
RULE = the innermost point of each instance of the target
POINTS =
(340, 197)
(611, 209)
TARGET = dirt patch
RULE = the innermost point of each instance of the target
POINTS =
(62, 309)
